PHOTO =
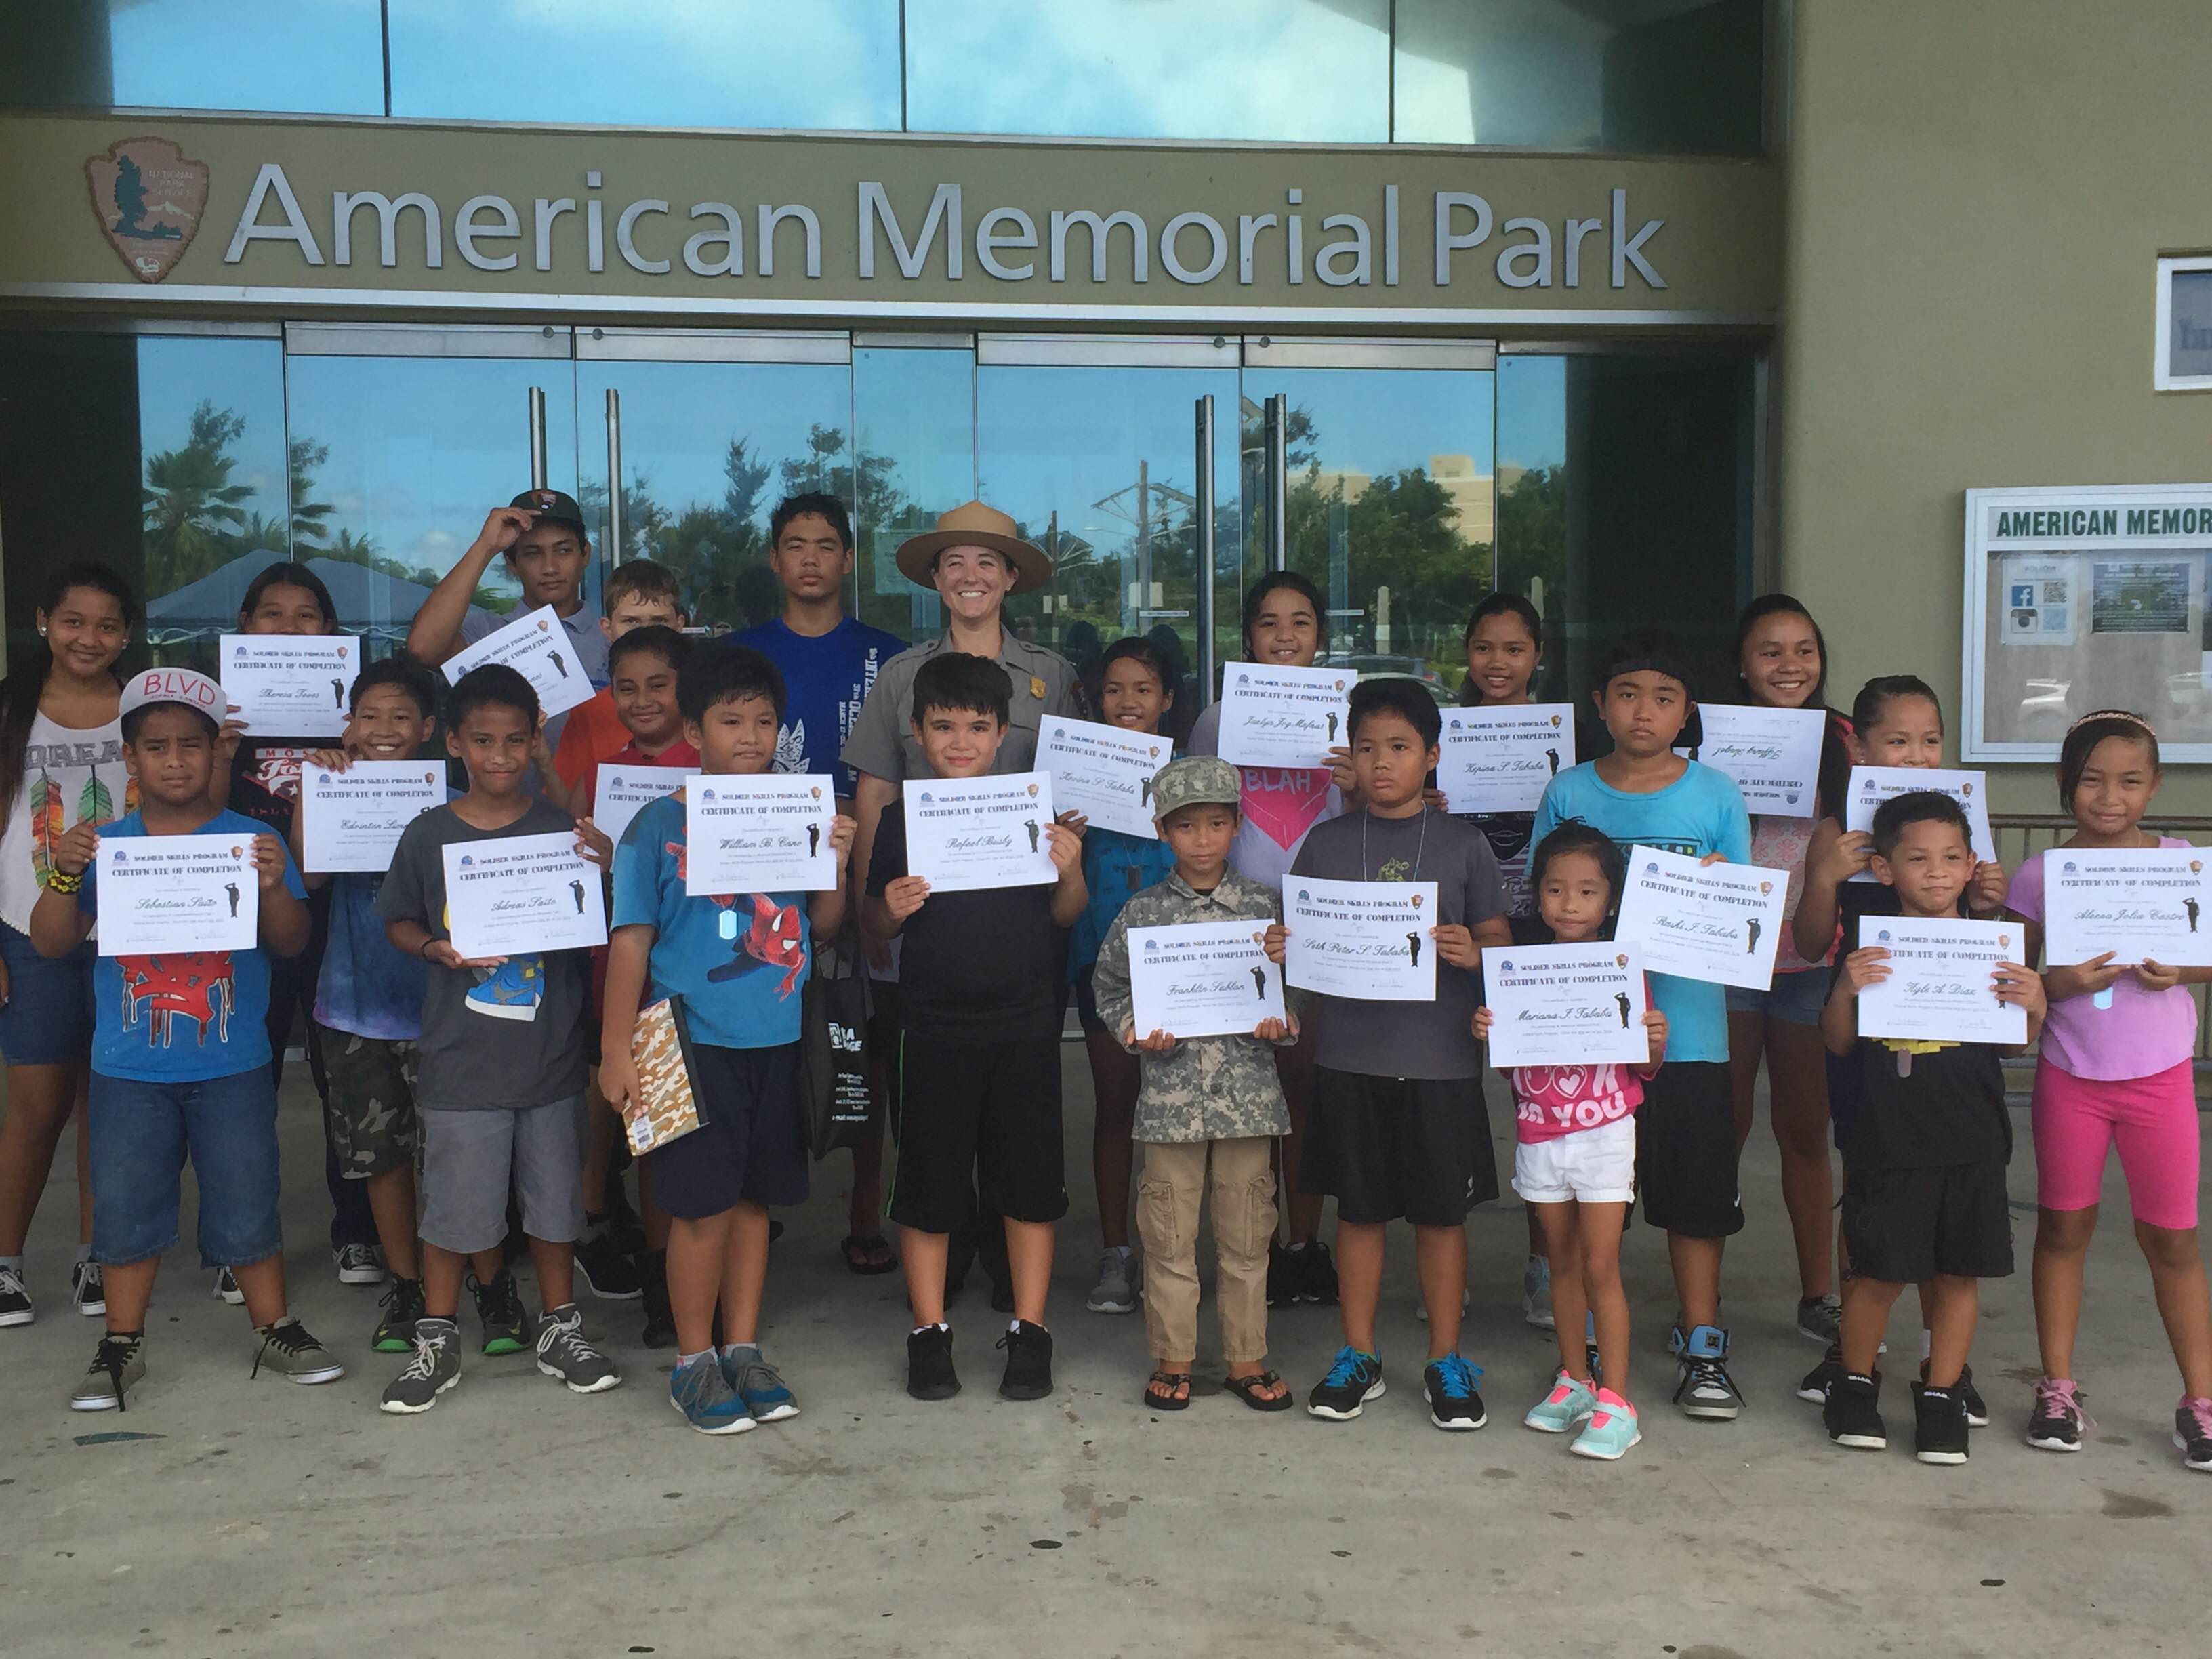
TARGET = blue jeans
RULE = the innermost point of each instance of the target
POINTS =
(142, 1133)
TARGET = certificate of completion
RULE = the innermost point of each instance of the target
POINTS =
(1773, 755)
(351, 820)
(766, 832)
(537, 647)
(1368, 940)
(1202, 978)
(2146, 902)
(290, 685)
(1499, 760)
(1103, 772)
(1719, 922)
(519, 894)
(622, 790)
(967, 833)
(160, 895)
(1565, 1005)
(1943, 980)
(1273, 716)
(1871, 786)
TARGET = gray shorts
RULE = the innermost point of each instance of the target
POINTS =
(471, 1159)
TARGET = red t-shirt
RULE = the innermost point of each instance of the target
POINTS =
(592, 732)
(679, 755)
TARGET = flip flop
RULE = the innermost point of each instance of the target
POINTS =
(868, 1256)
(1170, 1381)
(1246, 1389)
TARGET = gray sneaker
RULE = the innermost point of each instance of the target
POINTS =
(1115, 1292)
(562, 1351)
(289, 1351)
(1536, 1293)
(1821, 1319)
(435, 1368)
(119, 1364)
(767, 1396)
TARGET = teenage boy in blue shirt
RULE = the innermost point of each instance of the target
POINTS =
(737, 963)
(180, 1054)
(1644, 793)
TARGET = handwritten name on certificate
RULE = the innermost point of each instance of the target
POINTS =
(352, 820)
(2140, 902)
(160, 895)
(1275, 715)
(518, 894)
(537, 647)
(1199, 979)
(1499, 760)
(764, 832)
(622, 790)
(1103, 772)
(1871, 786)
(1565, 1005)
(1719, 922)
(1368, 940)
(290, 685)
(1772, 755)
(962, 833)
(1943, 980)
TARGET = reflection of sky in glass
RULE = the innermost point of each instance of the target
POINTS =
(1283, 70)
(820, 64)
(916, 411)
(318, 56)
(1382, 421)
(244, 377)
(1532, 413)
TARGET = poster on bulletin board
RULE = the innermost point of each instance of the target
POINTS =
(2084, 598)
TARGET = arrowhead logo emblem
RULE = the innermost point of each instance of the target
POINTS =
(148, 197)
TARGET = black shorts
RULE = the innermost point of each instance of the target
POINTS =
(1686, 1156)
(1902, 1226)
(752, 1148)
(1392, 1148)
(980, 1112)
(886, 1027)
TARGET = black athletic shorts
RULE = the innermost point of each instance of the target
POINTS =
(1686, 1156)
(1902, 1226)
(752, 1146)
(1391, 1148)
(982, 1112)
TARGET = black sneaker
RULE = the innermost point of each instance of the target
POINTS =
(1853, 1412)
(1977, 1414)
(15, 1307)
(1029, 1362)
(606, 1272)
(1823, 1376)
(2056, 1423)
(929, 1373)
(1282, 1288)
(659, 1317)
(358, 1264)
(2192, 1433)
(1313, 1271)
(1454, 1400)
(1939, 1425)
(499, 1308)
(1353, 1379)
(403, 1306)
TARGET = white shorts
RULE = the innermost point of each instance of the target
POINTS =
(1593, 1166)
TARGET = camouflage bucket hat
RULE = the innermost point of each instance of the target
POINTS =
(1194, 780)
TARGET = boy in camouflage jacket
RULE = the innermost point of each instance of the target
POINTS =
(1212, 1100)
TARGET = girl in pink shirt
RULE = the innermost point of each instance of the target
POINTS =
(2116, 1068)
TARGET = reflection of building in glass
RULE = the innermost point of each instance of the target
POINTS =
(1468, 490)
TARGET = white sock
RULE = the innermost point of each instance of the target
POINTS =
(1927, 1344)
(692, 1358)
(940, 1326)
(14, 1261)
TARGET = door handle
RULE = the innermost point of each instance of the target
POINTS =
(1203, 547)
(615, 550)
(1278, 481)
(538, 437)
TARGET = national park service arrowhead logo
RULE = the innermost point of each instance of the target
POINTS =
(148, 196)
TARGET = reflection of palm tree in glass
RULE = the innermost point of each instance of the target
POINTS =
(192, 510)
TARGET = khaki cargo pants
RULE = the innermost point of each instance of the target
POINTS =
(1174, 1184)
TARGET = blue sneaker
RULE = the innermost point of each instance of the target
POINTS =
(1613, 1429)
(1454, 1400)
(1353, 1379)
(758, 1384)
(703, 1394)
(1569, 1402)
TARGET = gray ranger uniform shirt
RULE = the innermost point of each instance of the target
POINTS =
(882, 741)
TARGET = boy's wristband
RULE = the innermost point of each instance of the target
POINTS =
(60, 881)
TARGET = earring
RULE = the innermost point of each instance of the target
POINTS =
(42, 633)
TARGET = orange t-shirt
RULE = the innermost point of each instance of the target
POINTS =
(594, 734)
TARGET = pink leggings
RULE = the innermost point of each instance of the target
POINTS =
(2154, 1121)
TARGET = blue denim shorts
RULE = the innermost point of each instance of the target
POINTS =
(141, 1134)
(1796, 997)
(47, 1017)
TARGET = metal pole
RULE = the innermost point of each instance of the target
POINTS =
(616, 550)
(538, 437)
(1202, 515)
(1278, 482)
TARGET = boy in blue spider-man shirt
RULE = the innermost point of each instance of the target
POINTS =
(737, 964)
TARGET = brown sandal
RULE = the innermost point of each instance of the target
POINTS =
(1170, 1381)
(1246, 1389)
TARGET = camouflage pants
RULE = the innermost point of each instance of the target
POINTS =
(373, 1126)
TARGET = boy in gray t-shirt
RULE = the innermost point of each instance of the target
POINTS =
(500, 1089)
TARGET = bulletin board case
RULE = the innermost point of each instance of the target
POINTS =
(2080, 598)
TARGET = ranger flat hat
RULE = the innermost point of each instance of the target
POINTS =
(974, 524)
(1194, 780)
